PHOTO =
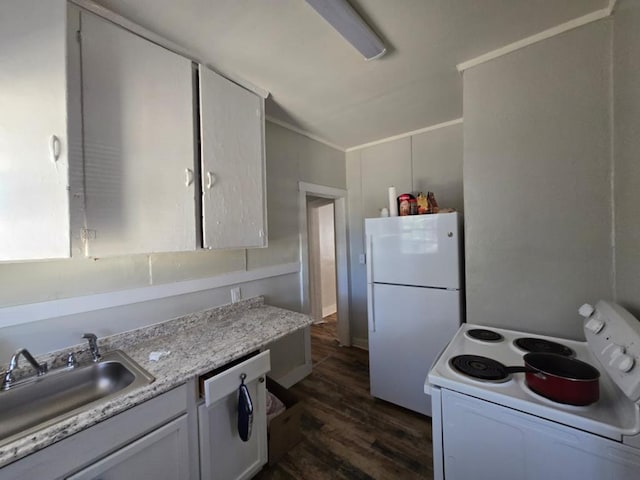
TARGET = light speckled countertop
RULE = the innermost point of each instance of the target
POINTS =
(198, 343)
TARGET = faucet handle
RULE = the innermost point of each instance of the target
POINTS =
(7, 380)
(71, 360)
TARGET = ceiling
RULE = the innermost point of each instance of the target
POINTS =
(319, 83)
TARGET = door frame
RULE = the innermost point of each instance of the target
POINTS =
(339, 197)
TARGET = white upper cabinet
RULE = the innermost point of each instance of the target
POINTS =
(34, 165)
(233, 164)
(100, 143)
(139, 145)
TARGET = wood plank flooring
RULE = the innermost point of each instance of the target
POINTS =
(347, 433)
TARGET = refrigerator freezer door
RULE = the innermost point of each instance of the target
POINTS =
(413, 324)
(421, 250)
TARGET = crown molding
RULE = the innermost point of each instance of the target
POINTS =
(538, 37)
(288, 126)
(430, 128)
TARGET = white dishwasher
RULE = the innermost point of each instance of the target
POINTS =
(224, 455)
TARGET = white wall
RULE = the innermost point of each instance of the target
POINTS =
(313, 248)
(357, 271)
(291, 158)
(427, 161)
(626, 47)
(537, 183)
(327, 259)
(436, 164)
(61, 331)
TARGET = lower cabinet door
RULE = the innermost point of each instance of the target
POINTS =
(223, 454)
(160, 455)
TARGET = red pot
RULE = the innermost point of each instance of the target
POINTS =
(561, 379)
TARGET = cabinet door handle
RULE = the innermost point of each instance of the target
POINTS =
(211, 179)
(54, 148)
(188, 176)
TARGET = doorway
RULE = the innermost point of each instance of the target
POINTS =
(322, 262)
(323, 250)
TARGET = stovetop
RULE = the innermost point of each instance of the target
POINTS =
(612, 416)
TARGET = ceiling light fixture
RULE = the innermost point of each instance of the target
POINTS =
(351, 26)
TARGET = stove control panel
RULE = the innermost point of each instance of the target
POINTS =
(613, 335)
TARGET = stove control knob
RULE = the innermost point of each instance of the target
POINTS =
(586, 310)
(594, 325)
(625, 363)
(616, 351)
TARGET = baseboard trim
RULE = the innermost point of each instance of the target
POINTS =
(361, 343)
(33, 312)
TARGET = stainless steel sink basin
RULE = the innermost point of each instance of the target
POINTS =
(42, 401)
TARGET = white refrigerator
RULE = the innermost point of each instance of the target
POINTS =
(414, 300)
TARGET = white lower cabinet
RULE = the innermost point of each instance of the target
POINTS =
(156, 439)
(162, 455)
(161, 438)
(223, 454)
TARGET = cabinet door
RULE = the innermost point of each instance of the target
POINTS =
(233, 176)
(223, 454)
(162, 455)
(139, 143)
(34, 177)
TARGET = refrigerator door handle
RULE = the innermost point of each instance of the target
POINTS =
(371, 312)
(369, 258)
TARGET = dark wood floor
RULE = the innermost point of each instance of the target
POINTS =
(347, 433)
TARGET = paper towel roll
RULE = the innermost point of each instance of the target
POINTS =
(393, 202)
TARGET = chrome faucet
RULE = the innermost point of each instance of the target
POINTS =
(41, 368)
(93, 345)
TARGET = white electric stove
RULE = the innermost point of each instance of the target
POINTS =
(497, 428)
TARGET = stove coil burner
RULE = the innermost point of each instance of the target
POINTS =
(484, 335)
(480, 368)
(540, 345)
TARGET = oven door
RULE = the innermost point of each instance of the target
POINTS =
(485, 441)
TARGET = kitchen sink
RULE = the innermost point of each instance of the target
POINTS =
(38, 402)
